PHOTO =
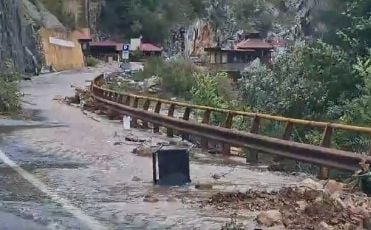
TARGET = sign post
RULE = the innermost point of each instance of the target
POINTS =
(125, 52)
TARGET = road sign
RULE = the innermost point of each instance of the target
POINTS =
(126, 47)
(125, 55)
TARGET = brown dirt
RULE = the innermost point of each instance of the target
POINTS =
(320, 207)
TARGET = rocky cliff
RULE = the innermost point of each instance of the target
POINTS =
(18, 43)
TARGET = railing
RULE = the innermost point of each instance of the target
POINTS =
(125, 103)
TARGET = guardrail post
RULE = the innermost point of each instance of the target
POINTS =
(326, 142)
(227, 124)
(288, 131)
(135, 120)
(170, 132)
(156, 128)
(253, 156)
(146, 105)
(127, 100)
(186, 115)
(205, 120)
(286, 136)
(120, 98)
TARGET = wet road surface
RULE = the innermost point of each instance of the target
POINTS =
(78, 163)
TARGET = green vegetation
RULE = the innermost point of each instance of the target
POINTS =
(177, 76)
(326, 80)
(324, 75)
(310, 81)
(214, 90)
(136, 56)
(92, 61)
(9, 91)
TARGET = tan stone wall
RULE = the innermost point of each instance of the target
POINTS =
(61, 57)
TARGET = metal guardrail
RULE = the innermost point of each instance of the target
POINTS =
(125, 103)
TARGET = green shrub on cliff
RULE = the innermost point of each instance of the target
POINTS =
(9, 91)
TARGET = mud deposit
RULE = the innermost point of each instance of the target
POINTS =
(300, 208)
(79, 162)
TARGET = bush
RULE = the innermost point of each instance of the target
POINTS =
(214, 91)
(9, 91)
(92, 61)
(136, 56)
(311, 81)
(176, 76)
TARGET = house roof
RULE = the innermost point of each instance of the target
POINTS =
(228, 49)
(148, 47)
(83, 34)
(254, 43)
(278, 43)
(108, 43)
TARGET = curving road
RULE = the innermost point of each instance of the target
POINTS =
(72, 176)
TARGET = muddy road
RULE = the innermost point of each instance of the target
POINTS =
(68, 174)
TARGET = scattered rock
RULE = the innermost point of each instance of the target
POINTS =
(216, 176)
(269, 218)
(171, 199)
(150, 199)
(134, 139)
(58, 98)
(184, 144)
(349, 226)
(367, 223)
(143, 151)
(302, 205)
(173, 142)
(203, 186)
(311, 184)
(333, 186)
(135, 178)
(324, 226)
(277, 227)
(300, 210)
(152, 84)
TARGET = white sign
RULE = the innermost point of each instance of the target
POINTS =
(61, 42)
(125, 55)
(126, 47)
(126, 122)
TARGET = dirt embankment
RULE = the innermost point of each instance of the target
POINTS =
(314, 205)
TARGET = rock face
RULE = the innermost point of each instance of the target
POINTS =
(199, 36)
(17, 38)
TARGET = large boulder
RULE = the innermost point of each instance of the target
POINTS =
(269, 218)
(311, 184)
(333, 186)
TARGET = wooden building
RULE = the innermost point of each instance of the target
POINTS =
(107, 51)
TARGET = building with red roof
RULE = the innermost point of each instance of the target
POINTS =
(254, 43)
(106, 50)
(149, 50)
(240, 54)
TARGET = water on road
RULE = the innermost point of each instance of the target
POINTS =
(87, 179)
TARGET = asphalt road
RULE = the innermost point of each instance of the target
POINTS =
(68, 174)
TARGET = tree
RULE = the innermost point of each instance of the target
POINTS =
(312, 81)
(357, 34)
